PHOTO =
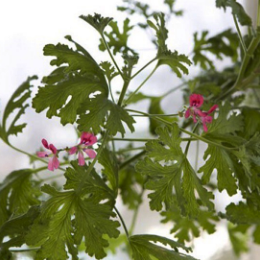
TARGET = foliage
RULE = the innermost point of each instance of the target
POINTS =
(220, 109)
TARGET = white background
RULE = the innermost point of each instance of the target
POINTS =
(26, 26)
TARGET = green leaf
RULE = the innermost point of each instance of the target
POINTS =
(226, 124)
(244, 214)
(17, 194)
(155, 108)
(75, 88)
(91, 222)
(16, 102)
(238, 238)
(78, 80)
(109, 70)
(167, 147)
(97, 21)
(15, 229)
(176, 62)
(118, 41)
(144, 248)
(185, 228)
(99, 108)
(223, 44)
(161, 32)
(66, 219)
(93, 185)
(108, 160)
(179, 175)
(237, 10)
(220, 160)
(130, 184)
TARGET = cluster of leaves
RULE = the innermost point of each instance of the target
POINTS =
(58, 222)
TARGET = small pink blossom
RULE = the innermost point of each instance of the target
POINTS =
(53, 159)
(86, 139)
(196, 101)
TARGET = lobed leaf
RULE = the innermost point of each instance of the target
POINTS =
(16, 102)
(144, 248)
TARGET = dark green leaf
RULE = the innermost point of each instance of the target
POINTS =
(17, 194)
(108, 160)
(223, 44)
(185, 228)
(66, 219)
(220, 160)
(99, 108)
(17, 101)
(97, 21)
(144, 248)
(237, 10)
(117, 41)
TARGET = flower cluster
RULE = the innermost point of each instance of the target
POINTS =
(196, 101)
(86, 140)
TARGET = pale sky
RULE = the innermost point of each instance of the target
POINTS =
(26, 26)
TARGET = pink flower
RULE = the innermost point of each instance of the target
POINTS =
(86, 139)
(53, 159)
(196, 101)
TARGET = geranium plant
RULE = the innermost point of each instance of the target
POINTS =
(57, 221)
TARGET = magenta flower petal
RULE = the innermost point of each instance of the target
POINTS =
(73, 150)
(88, 138)
(91, 153)
(45, 143)
(51, 164)
(196, 100)
(199, 113)
(55, 162)
(81, 159)
(187, 113)
(213, 108)
(53, 148)
(42, 154)
(205, 128)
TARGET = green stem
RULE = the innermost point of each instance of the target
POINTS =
(110, 54)
(253, 45)
(122, 221)
(111, 94)
(148, 139)
(132, 159)
(147, 78)
(52, 177)
(123, 92)
(159, 115)
(172, 90)
(146, 65)
(24, 250)
(197, 156)
(28, 154)
(150, 115)
(239, 35)
(130, 149)
(188, 144)
(131, 230)
(91, 166)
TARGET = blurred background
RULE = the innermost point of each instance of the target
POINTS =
(26, 26)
